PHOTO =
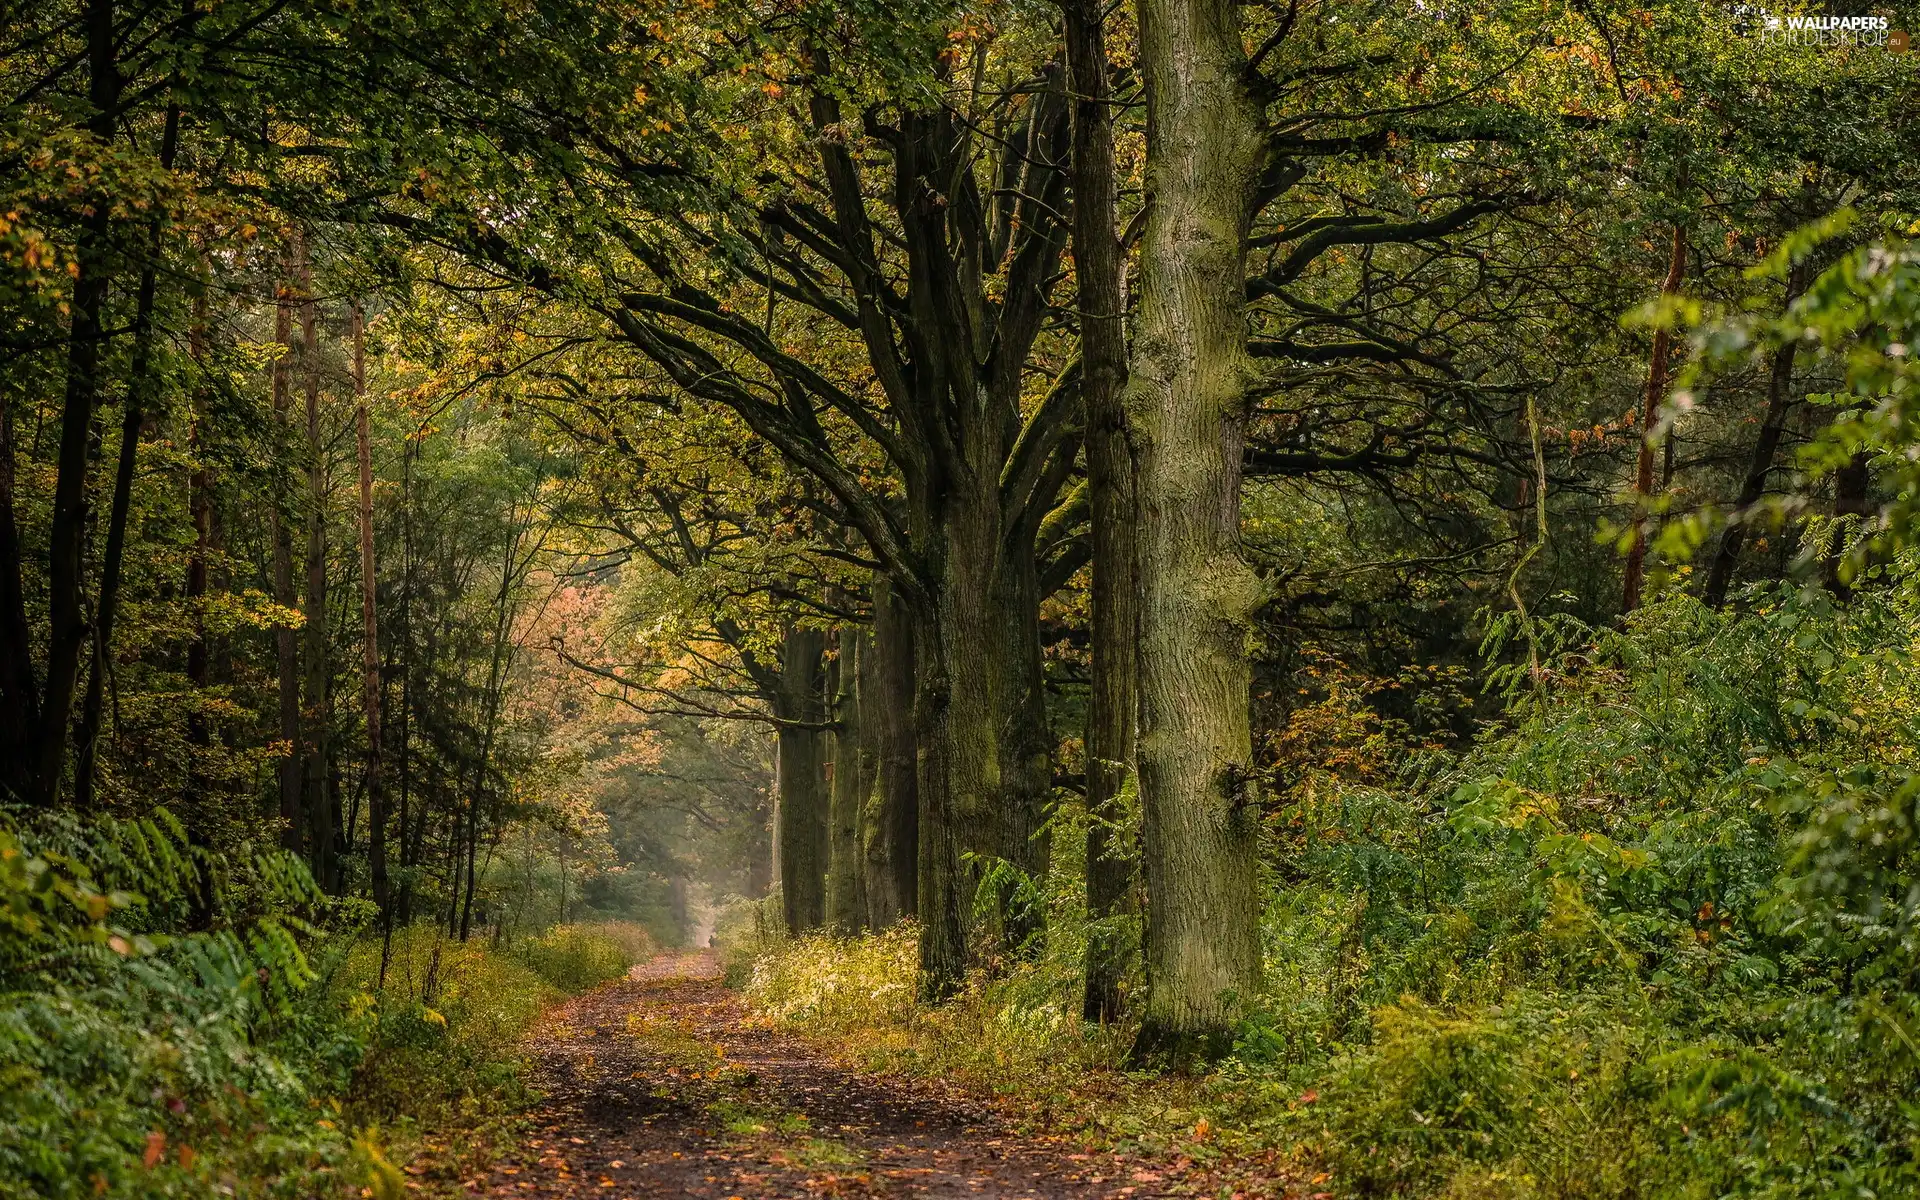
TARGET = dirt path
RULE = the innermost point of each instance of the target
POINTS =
(658, 1086)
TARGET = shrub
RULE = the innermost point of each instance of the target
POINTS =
(129, 1057)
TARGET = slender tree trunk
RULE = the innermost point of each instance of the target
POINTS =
(892, 826)
(92, 705)
(19, 692)
(140, 392)
(846, 901)
(1649, 418)
(200, 509)
(1780, 402)
(1186, 405)
(370, 632)
(760, 849)
(502, 631)
(1103, 366)
(410, 836)
(286, 653)
(317, 701)
(68, 628)
(802, 805)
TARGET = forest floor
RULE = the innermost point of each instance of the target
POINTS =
(663, 1085)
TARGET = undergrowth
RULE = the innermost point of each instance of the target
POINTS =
(175, 1023)
(1651, 936)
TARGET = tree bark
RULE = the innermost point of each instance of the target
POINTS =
(892, 825)
(286, 653)
(1103, 364)
(68, 628)
(370, 631)
(801, 808)
(846, 897)
(1649, 418)
(321, 849)
(1186, 405)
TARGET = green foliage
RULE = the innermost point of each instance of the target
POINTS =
(130, 1055)
(443, 1051)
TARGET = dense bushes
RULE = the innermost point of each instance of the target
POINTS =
(242, 1058)
(137, 1062)
(1652, 936)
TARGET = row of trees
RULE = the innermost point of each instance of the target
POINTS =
(997, 404)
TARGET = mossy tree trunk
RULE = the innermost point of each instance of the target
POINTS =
(846, 896)
(1186, 403)
(801, 802)
(891, 828)
(1103, 363)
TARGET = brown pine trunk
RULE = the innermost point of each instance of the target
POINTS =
(321, 849)
(1103, 371)
(1649, 417)
(286, 653)
(846, 894)
(801, 807)
(892, 823)
(370, 632)
(1186, 412)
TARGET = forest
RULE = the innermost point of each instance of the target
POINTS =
(1255, 598)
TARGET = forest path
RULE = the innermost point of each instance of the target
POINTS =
(660, 1085)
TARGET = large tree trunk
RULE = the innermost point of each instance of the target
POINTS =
(801, 812)
(316, 701)
(68, 627)
(286, 653)
(1186, 413)
(370, 632)
(892, 824)
(846, 899)
(1103, 366)
(1649, 418)
(945, 762)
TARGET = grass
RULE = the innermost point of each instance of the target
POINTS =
(441, 1084)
